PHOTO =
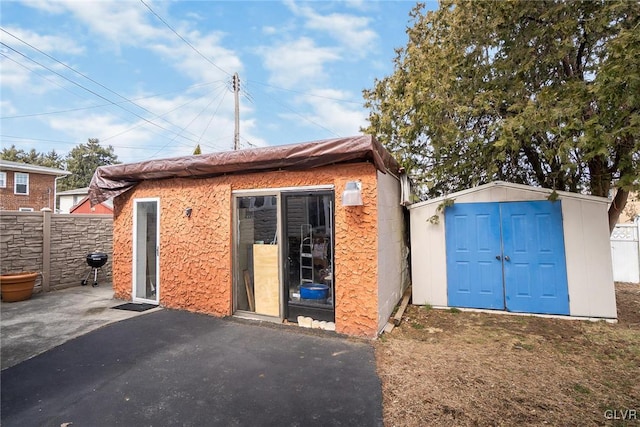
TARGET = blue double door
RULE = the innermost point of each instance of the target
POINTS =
(507, 256)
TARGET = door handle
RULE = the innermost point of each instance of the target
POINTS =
(506, 258)
(498, 257)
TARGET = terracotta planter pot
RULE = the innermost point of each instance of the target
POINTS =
(17, 287)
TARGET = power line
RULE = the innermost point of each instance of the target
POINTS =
(91, 106)
(306, 93)
(56, 141)
(307, 119)
(189, 124)
(91, 80)
(40, 75)
(212, 116)
(161, 115)
(183, 39)
(95, 93)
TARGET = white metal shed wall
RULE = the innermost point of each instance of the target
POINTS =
(586, 236)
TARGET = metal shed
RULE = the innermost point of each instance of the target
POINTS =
(504, 246)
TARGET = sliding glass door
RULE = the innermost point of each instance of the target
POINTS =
(283, 254)
(308, 246)
(257, 255)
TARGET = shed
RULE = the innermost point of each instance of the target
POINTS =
(84, 207)
(310, 232)
(504, 246)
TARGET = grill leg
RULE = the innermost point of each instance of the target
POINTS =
(95, 277)
(84, 282)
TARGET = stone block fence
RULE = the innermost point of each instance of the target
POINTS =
(54, 245)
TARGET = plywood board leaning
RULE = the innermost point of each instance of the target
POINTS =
(266, 281)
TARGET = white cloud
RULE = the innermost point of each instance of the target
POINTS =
(350, 31)
(13, 75)
(269, 30)
(45, 42)
(22, 76)
(344, 119)
(19, 73)
(7, 108)
(297, 63)
(188, 61)
(51, 6)
(182, 122)
(120, 22)
(131, 24)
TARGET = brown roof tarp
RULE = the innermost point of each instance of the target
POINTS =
(113, 180)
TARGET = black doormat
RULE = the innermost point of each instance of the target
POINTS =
(135, 307)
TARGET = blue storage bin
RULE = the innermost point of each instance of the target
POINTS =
(316, 291)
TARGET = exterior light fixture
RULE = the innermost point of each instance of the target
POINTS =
(187, 212)
(352, 195)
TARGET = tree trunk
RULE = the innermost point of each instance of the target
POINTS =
(617, 205)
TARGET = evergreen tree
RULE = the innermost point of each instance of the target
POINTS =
(83, 160)
(545, 93)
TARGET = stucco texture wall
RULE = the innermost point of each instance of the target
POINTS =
(196, 253)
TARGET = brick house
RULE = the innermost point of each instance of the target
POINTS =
(26, 187)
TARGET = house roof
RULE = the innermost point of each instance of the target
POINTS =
(107, 203)
(113, 180)
(26, 167)
(74, 192)
(484, 187)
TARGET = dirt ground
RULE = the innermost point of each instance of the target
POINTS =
(450, 367)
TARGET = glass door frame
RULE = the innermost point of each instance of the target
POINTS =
(292, 308)
(279, 193)
(237, 281)
(135, 242)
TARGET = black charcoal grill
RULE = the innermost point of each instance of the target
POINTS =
(95, 260)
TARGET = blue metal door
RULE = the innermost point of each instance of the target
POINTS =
(535, 272)
(474, 274)
(507, 256)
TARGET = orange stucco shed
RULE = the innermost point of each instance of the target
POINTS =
(310, 233)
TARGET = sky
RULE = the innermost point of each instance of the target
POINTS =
(153, 79)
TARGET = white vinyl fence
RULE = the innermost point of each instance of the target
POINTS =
(625, 252)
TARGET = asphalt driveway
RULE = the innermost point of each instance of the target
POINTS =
(176, 368)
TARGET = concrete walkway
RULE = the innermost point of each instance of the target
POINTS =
(49, 319)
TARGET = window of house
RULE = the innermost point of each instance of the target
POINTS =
(21, 185)
(3, 179)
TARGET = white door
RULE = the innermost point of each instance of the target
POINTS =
(146, 250)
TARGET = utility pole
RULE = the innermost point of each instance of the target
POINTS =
(236, 90)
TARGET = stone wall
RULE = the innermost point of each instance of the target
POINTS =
(72, 238)
(21, 242)
(55, 245)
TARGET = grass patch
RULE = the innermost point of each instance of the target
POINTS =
(455, 310)
(522, 346)
(579, 388)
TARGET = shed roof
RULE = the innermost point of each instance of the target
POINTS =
(113, 180)
(74, 192)
(493, 184)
